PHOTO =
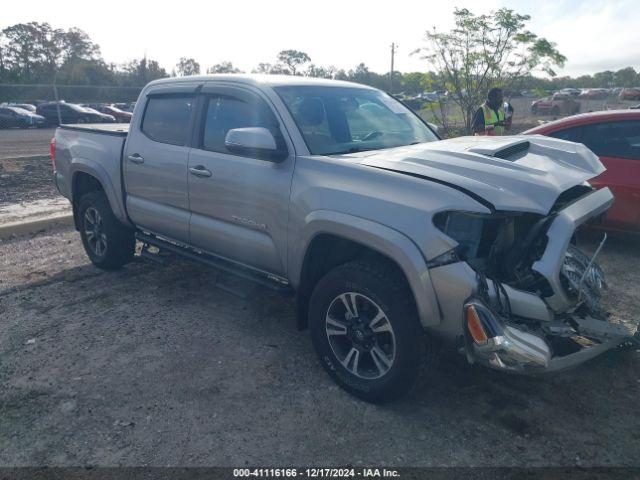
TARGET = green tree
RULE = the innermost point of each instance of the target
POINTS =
(187, 66)
(139, 72)
(321, 72)
(293, 60)
(263, 68)
(416, 82)
(32, 51)
(76, 44)
(223, 67)
(627, 77)
(483, 51)
(604, 79)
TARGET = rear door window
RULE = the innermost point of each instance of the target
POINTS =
(571, 134)
(614, 139)
(166, 119)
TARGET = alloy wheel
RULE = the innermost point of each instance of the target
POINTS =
(360, 335)
(94, 232)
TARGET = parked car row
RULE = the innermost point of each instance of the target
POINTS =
(27, 115)
(57, 113)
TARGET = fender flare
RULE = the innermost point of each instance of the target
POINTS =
(97, 171)
(385, 240)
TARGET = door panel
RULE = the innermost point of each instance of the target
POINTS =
(155, 167)
(617, 144)
(241, 210)
(623, 178)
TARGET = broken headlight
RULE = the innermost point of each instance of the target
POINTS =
(501, 245)
(466, 228)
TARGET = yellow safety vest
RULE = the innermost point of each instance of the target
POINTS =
(490, 118)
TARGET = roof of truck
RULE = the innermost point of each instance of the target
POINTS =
(262, 79)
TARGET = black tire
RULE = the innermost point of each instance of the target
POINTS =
(117, 240)
(381, 284)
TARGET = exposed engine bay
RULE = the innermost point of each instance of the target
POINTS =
(520, 258)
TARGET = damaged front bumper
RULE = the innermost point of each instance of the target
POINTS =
(492, 341)
(535, 333)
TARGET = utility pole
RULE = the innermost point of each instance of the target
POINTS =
(393, 52)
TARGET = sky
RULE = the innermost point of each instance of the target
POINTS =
(594, 35)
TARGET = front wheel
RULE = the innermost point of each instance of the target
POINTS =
(108, 243)
(366, 332)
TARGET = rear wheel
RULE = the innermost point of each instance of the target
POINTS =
(366, 331)
(108, 243)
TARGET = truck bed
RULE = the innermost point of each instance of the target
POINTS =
(117, 129)
(99, 146)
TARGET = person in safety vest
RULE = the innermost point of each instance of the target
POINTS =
(490, 118)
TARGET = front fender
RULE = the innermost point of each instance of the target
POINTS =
(387, 241)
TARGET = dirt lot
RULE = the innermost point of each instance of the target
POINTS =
(161, 365)
(25, 167)
(19, 143)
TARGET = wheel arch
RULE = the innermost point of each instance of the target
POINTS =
(87, 178)
(331, 238)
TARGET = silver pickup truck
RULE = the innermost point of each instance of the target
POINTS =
(392, 240)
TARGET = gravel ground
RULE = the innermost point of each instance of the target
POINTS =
(161, 365)
(25, 167)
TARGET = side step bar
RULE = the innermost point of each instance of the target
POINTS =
(220, 263)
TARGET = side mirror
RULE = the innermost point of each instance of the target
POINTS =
(256, 142)
(433, 126)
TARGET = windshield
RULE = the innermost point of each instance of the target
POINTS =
(19, 110)
(336, 120)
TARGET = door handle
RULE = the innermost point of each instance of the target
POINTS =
(136, 158)
(200, 171)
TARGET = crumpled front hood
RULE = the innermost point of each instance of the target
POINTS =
(528, 179)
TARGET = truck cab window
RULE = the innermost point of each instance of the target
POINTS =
(166, 119)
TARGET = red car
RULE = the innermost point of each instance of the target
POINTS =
(556, 104)
(120, 115)
(629, 94)
(613, 135)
